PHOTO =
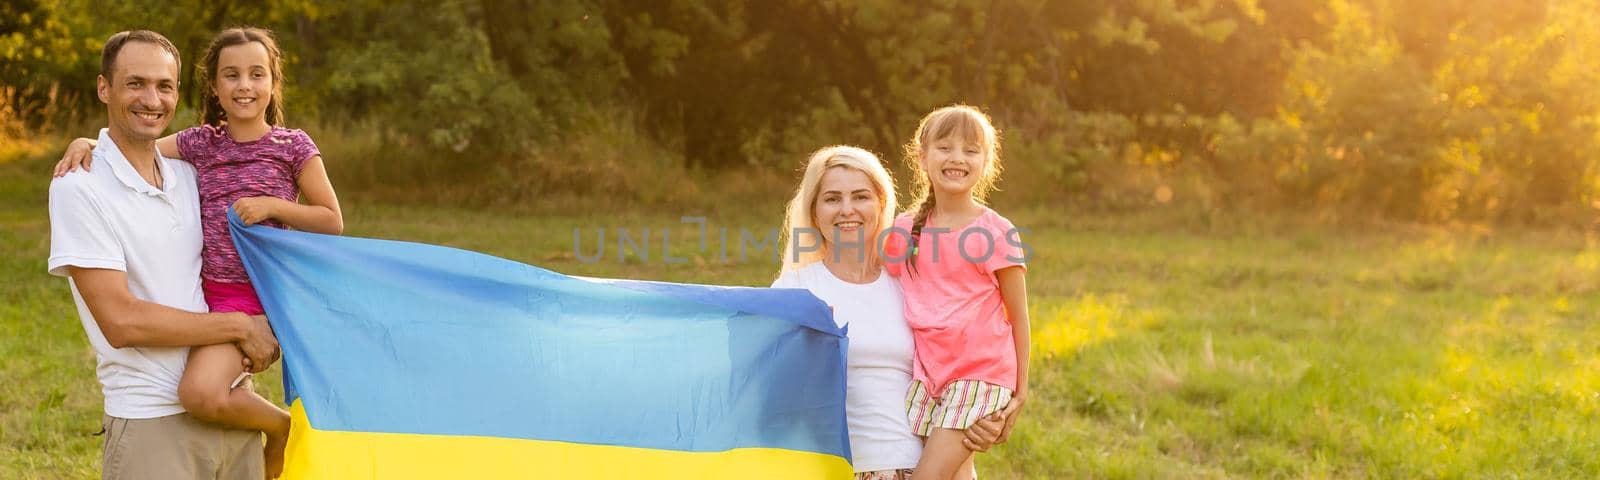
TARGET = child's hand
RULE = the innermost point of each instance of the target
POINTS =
(253, 210)
(79, 153)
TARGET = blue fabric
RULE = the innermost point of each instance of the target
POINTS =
(386, 336)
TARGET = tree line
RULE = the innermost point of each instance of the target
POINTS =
(1431, 110)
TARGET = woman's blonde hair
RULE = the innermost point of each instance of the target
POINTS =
(802, 207)
(966, 123)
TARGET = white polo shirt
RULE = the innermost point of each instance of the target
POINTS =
(111, 218)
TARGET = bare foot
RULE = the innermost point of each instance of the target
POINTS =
(274, 455)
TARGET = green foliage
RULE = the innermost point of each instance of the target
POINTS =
(45, 58)
(1499, 127)
(1434, 110)
(427, 75)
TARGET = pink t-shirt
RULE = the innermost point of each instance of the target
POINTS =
(952, 300)
(229, 170)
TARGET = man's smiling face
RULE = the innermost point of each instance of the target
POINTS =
(142, 92)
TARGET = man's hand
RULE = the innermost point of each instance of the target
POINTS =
(259, 346)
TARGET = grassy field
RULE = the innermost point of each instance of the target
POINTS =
(1164, 348)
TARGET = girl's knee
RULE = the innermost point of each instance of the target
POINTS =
(933, 473)
(939, 469)
(203, 402)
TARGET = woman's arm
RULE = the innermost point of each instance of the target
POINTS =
(320, 214)
(1014, 291)
(984, 433)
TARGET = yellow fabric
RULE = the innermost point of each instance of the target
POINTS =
(317, 454)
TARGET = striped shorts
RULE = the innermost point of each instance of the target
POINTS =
(963, 403)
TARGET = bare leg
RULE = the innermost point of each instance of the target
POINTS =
(968, 471)
(943, 456)
(205, 392)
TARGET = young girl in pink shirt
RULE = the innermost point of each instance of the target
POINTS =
(961, 270)
(246, 159)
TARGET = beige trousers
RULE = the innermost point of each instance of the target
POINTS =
(178, 447)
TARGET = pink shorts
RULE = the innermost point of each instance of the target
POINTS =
(231, 297)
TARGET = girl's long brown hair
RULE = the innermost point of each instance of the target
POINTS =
(211, 112)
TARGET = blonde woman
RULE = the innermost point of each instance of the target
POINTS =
(830, 247)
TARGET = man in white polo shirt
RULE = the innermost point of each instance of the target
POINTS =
(128, 238)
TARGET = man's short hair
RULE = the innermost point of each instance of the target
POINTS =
(108, 54)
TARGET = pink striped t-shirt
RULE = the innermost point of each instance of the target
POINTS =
(228, 170)
(952, 300)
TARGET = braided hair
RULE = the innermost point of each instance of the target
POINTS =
(955, 120)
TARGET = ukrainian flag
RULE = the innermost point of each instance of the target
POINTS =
(404, 360)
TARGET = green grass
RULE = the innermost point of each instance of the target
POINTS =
(1166, 347)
